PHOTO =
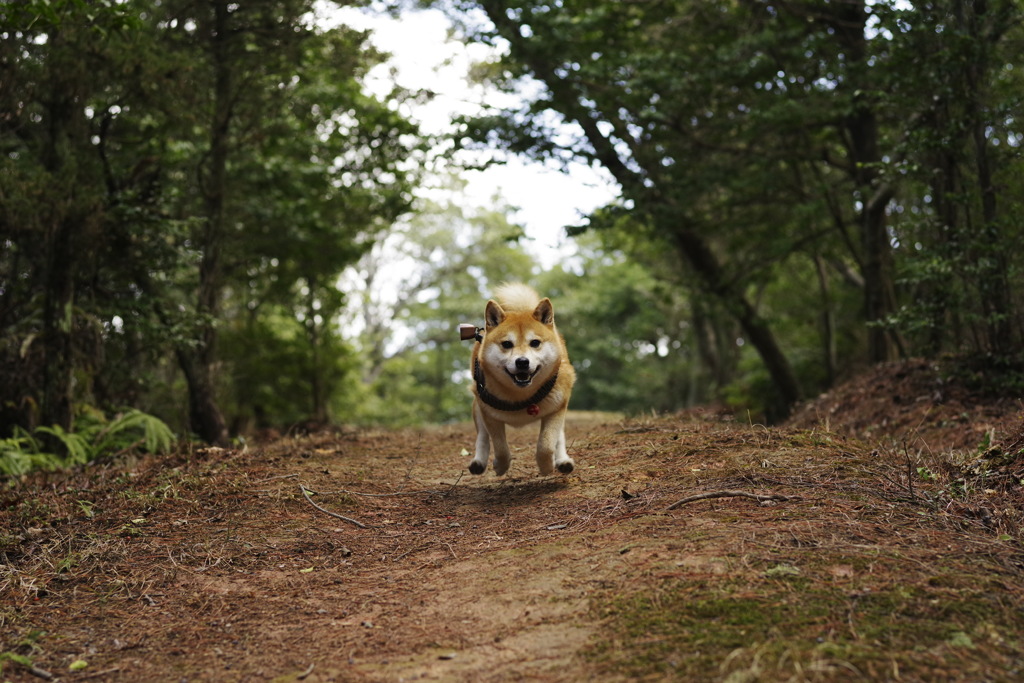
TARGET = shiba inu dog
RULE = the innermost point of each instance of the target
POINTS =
(521, 374)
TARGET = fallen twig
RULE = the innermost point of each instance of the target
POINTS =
(448, 492)
(727, 494)
(97, 674)
(410, 551)
(36, 671)
(280, 476)
(332, 514)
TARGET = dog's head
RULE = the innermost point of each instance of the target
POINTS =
(520, 346)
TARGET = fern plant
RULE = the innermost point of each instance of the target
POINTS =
(95, 437)
(23, 453)
(134, 428)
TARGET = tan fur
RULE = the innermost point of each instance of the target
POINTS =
(515, 296)
(520, 353)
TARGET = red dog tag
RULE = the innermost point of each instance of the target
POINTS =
(533, 409)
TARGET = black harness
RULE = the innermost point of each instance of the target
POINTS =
(510, 406)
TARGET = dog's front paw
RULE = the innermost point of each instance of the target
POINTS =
(566, 466)
(476, 467)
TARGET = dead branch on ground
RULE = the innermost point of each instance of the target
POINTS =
(728, 494)
(356, 522)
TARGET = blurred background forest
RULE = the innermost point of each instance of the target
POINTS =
(207, 217)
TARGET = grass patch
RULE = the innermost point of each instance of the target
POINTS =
(767, 631)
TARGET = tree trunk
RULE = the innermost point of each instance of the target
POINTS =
(862, 130)
(204, 414)
(993, 279)
(707, 347)
(828, 323)
(317, 384)
(59, 300)
(59, 295)
(877, 269)
(848, 21)
(703, 261)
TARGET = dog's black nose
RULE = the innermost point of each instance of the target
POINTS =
(522, 363)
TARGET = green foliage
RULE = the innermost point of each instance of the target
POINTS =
(629, 332)
(428, 386)
(802, 188)
(275, 360)
(879, 142)
(184, 182)
(52, 448)
(156, 437)
(21, 453)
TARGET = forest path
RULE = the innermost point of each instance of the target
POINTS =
(215, 566)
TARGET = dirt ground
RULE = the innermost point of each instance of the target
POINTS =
(875, 552)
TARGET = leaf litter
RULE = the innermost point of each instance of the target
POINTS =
(843, 563)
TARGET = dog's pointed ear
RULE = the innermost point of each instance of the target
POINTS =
(545, 312)
(494, 314)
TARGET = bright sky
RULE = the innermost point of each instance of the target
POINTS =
(424, 57)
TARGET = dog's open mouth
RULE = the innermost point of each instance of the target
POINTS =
(524, 377)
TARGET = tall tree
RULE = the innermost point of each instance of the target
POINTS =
(53, 63)
(953, 64)
(301, 171)
(335, 172)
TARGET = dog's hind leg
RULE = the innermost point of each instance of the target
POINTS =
(483, 443)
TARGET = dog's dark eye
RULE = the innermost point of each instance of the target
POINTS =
(507, 345)
(535, 343)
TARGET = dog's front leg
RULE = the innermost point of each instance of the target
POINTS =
(563, 462)
(483, 443)
(551, 451)
(502, 454)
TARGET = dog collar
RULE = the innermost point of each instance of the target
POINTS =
(530, 404)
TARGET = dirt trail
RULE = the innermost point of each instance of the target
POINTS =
(213, 566)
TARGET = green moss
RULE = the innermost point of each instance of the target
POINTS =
(727, 633)
(675, 632)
